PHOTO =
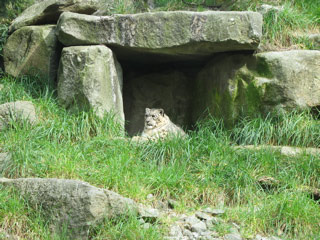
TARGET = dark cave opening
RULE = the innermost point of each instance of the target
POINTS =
(168, 86)
(167, 82)
(315, 111)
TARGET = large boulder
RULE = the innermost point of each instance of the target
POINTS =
(16, 112)
(294, 78)
(169, 90)
(32, 50)
(180, 34)
(9, 8)
(315, 39)
(221, 88)
(48, 11)
(90, 77)
(235, 85)
(71, 203)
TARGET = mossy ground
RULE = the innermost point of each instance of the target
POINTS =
(202, 170)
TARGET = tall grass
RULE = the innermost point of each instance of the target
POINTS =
(295, 129)
(309, 7)
(18, 219)
(287, 28)
(201, 170)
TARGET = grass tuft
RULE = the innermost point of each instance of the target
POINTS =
(300, 129)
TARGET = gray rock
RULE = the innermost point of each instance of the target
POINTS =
(213, 211)
(118, 205)
(266, 8)
(191, 220)
(203, 216)
(180, 34)
(71, 203)
(17, 111)
(208, 235)
(259, 237)
(150, 196)
(32, 50)
(48, 12)
(196, 235)
(209, 224)
(147, 225)
(293, 74)
(161, 205)
(198, 227)
(172, 203)
(234, 230)
(176, 238)
(149, 214)
(141, 221)
(284, 150)
(315, 38)
(212, 222)
(263, 83)
(175, 231)
(233, 236)
(90, 77)
(188, 233)
(183, 217)
(291, 151)
(294, 151)
(274, 238)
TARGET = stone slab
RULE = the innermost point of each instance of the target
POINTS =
(179, 34)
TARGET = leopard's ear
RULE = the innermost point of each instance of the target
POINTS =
(161, 111)
(147, 110)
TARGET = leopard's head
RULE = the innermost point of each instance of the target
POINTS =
(154, 117)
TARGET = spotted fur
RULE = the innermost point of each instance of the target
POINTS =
(159, 126)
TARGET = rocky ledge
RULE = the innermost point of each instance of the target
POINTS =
(178, 34)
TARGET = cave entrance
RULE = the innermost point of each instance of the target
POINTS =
(315, 111)
(169, 86)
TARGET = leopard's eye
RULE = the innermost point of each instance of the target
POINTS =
(153, 116)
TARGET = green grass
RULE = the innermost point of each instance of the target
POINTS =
(286, 29)
(202, 170)
(299, 129)
(124, 228)
(18, 219)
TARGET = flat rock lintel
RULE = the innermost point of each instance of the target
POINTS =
(168, 33)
